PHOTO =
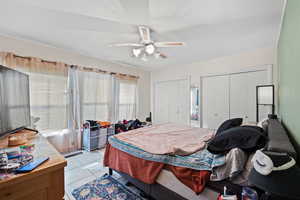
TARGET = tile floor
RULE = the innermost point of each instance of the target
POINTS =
(82, 169)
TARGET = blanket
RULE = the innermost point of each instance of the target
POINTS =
(172, 139)
(148, 171)
(200, 160)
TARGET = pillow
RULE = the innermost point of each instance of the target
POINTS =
(255, 127)
(261, 130)
(229, 124)
(260, 123)
(248, 139)
(249, 124)
(264, 124)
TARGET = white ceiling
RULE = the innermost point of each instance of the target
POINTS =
(210, 28)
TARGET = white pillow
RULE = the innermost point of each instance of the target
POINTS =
(261, 122)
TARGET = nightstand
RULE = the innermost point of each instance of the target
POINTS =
(279, 185)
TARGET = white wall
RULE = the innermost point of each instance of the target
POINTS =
(234, 63)
(28, 48)
(194, 71)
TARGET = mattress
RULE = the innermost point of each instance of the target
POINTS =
(168, 180)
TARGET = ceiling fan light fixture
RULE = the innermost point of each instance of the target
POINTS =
(150, 49)
(136, 52)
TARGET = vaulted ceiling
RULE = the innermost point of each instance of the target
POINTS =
(210, 28)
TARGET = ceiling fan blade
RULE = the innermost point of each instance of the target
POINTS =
(162, 55)
(169, 44)
(126, 45)
(145, 34)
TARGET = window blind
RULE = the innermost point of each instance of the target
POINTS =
(48, 100)
(127, 99)
(95, 96)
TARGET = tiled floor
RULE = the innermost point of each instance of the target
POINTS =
(82, 169)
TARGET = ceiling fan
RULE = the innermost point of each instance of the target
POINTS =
(147, 47)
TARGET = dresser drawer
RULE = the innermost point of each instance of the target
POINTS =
(49, 186)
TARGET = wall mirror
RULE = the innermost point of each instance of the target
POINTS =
(195, 106)
(264, 101)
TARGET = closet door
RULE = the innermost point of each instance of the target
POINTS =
(161, 111)
(183, 104)
(243, 94)
(215, 101)
(172, 102)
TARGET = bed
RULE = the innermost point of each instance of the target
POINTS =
(162, 182)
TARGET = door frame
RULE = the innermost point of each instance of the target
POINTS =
(186, 78)
(268, 68)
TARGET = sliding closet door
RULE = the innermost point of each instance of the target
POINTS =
(215, 101)
(172, 102)
(243, 94)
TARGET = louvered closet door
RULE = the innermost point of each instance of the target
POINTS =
(215, 101)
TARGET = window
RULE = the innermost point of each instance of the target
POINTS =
(48, 100)
(127, 99)
(95, 96)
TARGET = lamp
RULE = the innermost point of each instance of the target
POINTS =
(264, 97)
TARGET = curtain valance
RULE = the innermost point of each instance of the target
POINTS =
(33, 65)
(37, 65)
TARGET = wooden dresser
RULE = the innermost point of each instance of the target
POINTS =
(44, 183)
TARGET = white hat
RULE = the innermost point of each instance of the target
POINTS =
(266, 162)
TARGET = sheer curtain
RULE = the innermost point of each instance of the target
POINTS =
(49, 101)
(127, 99)
(96, 96)
(74, 117)
(3, 107)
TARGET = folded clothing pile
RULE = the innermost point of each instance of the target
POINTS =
(128, 125)
(237, 168)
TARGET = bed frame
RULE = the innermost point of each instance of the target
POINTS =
(278, 142)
